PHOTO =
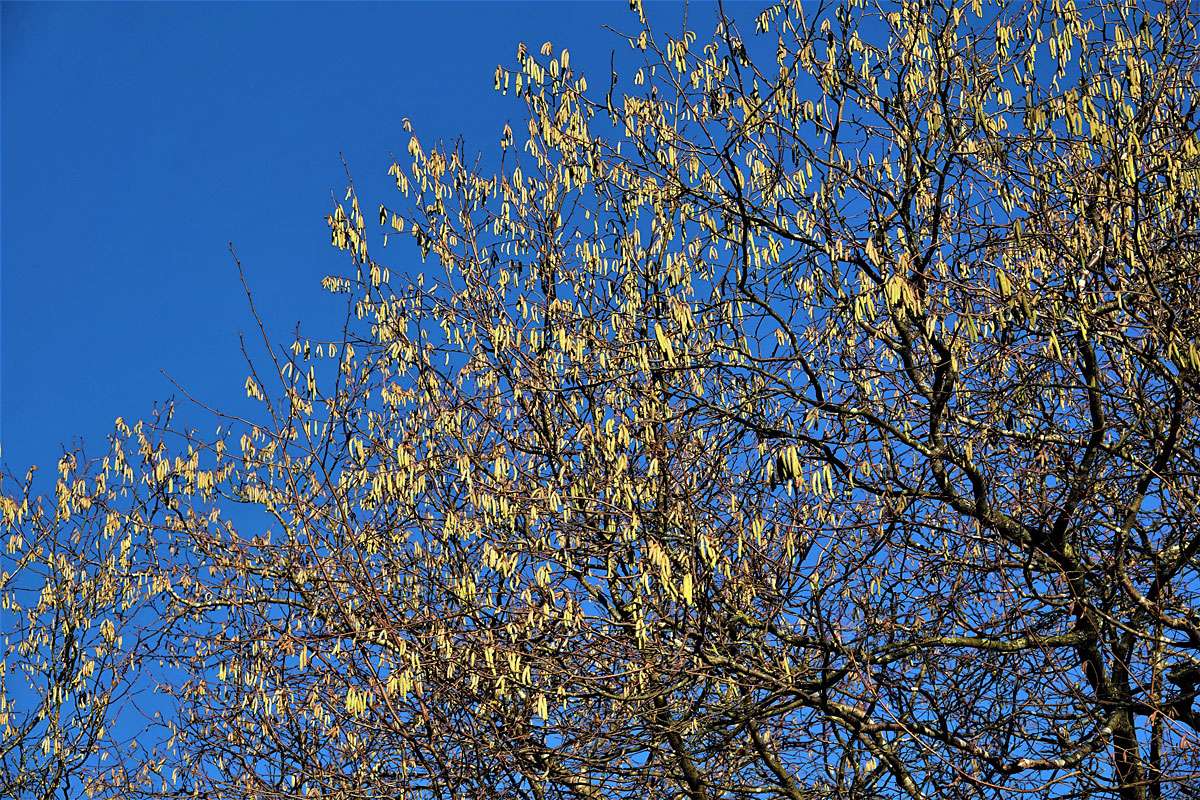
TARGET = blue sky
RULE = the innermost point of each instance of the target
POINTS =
(138, 140)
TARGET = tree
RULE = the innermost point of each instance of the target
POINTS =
(814, 417)
(72, 584)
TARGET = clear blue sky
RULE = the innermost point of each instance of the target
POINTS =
(138, 140)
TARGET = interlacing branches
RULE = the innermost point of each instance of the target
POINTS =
(808, 412)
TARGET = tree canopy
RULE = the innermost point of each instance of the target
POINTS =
(808, 410)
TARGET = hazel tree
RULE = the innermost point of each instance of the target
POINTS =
(75, 583)
(808, 410)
